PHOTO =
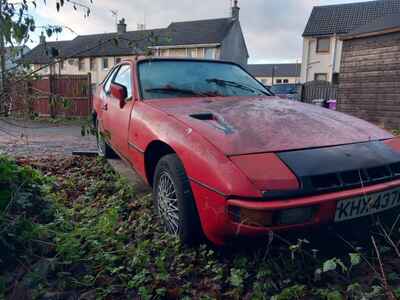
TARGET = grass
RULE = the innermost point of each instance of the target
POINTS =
(103, 241)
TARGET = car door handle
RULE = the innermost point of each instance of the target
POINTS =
(104, 107)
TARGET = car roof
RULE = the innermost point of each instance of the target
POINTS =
(141, 59)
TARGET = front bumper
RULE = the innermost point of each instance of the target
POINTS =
(219, 226)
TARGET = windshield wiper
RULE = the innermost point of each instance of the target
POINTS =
(174, 90)
(236, 84)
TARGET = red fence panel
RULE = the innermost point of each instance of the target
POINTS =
(61, 95)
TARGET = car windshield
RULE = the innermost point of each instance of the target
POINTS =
(284, 89)
(181, 78)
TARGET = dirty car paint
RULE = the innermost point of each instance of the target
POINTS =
(269, 124)
(209, 135)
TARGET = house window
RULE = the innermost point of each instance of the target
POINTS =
(279, 81)
(81, 64)
(285, 80)
(200, 52)
(164, 52)
(105, 62)
(92, 63)
(321, 76)
(323, 45)
(209, 53)
(192, 52)
(117, 60)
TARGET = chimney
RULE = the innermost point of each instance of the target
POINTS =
(235, 10)
(121, 26)
(42, 38)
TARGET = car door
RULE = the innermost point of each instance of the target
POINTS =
(105, 93)
(117, 121)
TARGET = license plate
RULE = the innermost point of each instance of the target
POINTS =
(367, 205)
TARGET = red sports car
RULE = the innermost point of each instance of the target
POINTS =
(225, 158)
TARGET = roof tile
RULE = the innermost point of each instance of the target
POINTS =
(265, 70)
(342, 18)
(134, 42)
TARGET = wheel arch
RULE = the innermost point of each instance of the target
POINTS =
(152, 155)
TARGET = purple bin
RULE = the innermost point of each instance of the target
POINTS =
(331, 104)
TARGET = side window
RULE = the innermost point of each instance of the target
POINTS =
(124, 77)
(109, 79)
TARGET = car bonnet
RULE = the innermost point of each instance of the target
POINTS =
(244, 125)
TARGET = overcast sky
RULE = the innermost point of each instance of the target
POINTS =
(272, 28)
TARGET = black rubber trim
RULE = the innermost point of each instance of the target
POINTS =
(334, 164)
(339, 158)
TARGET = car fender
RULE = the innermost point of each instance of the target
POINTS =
(203, 162)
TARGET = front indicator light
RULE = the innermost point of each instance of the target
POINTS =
(250, 217)
(295, 215)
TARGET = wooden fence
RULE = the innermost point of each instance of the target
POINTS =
(67, 95)
(315, 90)
(55, 95)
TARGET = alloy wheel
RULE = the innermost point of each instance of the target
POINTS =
(167, 203)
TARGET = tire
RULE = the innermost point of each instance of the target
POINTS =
(182, 220)
(103, 148)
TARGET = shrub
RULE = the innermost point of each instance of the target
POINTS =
(23, 210)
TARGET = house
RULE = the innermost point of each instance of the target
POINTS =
(322, 46)
(97, 53)
(270, 74)
(369, 85)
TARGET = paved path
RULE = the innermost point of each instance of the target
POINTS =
(27, 138)
(40, 139)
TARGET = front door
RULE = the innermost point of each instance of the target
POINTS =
(116, 118)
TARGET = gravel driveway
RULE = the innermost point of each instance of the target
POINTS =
(31, 138)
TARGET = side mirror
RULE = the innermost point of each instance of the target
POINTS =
(119, 92)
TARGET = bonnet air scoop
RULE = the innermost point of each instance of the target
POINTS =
(203, 116)
(214, 120)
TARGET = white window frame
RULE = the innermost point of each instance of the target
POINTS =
(321, 74)
(81, 64)
(317, 49)
(102, 63)
(214, 53)
(190, 51)
(92, 62)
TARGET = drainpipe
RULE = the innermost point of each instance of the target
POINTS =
(334, 57)
(307, 63)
